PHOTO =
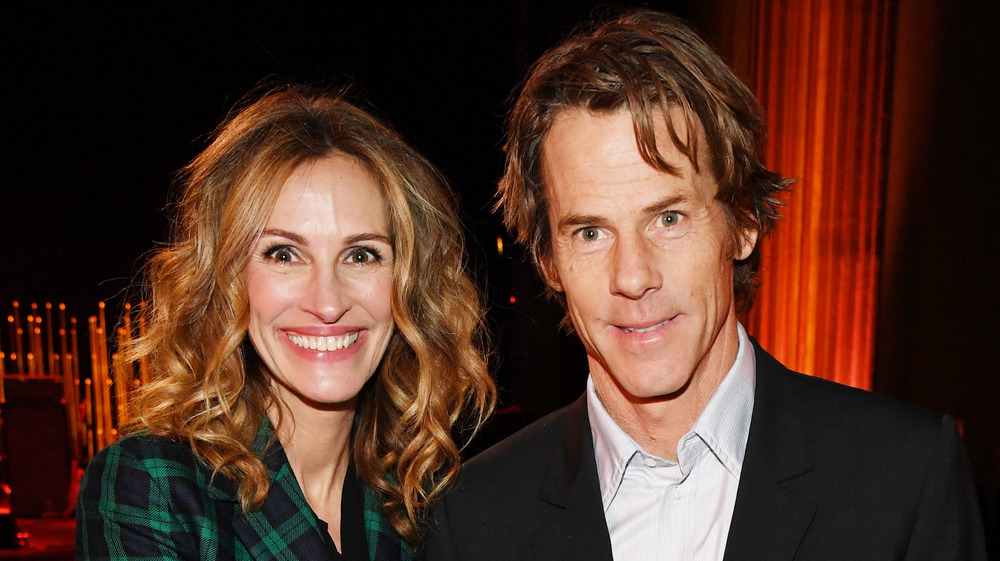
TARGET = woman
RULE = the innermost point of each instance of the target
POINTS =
(314, 355)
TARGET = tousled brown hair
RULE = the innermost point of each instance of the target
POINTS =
(210, 388)
(644, 62)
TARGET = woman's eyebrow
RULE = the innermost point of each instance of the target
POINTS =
(284, 234)
(366, 237)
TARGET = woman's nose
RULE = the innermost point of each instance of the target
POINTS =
(325, 295)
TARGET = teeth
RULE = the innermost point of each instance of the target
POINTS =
(331, 343)
(643, 329)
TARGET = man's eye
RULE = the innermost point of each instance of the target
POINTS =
(670, 218)
(590, 233)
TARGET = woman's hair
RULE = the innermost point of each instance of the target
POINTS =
(210, 388)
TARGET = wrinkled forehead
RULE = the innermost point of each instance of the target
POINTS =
(657, 135)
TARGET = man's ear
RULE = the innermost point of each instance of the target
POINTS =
(550, 272)
(745, 242)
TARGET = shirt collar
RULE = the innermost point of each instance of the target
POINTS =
(723, 425)
(612, 447)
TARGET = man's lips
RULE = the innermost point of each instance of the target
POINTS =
(643, 329)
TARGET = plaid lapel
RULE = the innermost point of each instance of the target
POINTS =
(384, 543)
(284, 527)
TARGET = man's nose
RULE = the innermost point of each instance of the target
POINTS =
(634, 269)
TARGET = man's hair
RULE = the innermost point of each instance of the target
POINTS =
(211, 389)
(645, 62)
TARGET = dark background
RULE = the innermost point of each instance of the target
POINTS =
(102, 103)
(105, 102)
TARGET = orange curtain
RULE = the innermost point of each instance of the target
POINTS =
(821, 70)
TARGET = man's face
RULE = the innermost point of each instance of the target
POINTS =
(642, 257)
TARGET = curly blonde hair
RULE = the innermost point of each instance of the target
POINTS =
(210, 389)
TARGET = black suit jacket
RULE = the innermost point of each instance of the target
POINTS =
(830, 472)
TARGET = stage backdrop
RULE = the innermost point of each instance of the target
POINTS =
(821, 69)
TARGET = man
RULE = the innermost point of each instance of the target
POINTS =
(635, 178)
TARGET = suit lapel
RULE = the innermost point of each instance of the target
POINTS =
(570, 483)
(284, 527)
(772, 512)
(773, 505)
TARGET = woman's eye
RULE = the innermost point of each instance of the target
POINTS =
(281, 254)
(590, 233)
(670, 218)
(362, 255)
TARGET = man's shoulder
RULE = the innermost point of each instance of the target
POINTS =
(879, 473)
(518, 462)
(827, 407)
(813, 391)
(533, 444)
(505, 494)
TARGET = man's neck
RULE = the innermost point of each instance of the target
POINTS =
(658, 423)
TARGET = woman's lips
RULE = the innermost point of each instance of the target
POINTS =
(328, 343)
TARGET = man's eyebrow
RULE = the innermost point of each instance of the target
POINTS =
(662, 205)
(575, 220)
(284, 234)
(667, 202)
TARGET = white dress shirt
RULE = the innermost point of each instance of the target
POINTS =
(658, 509)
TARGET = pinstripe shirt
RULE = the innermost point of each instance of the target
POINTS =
(658, 509)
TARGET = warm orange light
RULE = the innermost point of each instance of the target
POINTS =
(821, 72)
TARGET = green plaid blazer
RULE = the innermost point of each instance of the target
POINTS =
(148, 498)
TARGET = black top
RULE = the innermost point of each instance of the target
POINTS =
(352, 521)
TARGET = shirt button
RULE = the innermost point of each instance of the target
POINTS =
(676, 494)
(650, 462)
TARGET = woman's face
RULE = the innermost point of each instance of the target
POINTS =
(319, 283)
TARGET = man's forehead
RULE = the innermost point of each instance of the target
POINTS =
(660, 126)
(592, 166)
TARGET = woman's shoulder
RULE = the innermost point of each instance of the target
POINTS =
(149, 497)
(156, 460)
(148, 449)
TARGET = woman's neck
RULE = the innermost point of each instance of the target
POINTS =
(317, 444)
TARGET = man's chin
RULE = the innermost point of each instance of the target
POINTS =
(653, 387)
